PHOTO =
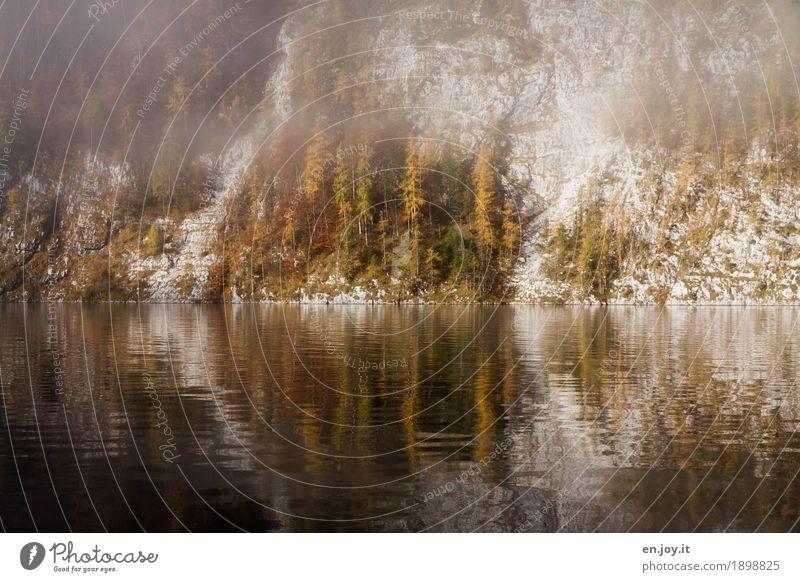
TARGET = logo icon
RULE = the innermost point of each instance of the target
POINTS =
(31, 555)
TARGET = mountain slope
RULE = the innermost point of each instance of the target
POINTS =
(640, 152)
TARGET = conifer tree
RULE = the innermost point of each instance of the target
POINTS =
(363, 192)
(486, 198)
(343, 199)
(432, 262)
(341, 190)
(289, 230)
(316, 163)
(510, 228)
(413, 201)
(180, 90)
(411, 189)
(383, 227)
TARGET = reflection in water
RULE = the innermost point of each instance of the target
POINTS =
(313, 418)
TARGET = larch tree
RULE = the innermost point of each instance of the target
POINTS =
(313, 180)
(176, 103)
(510, 229)
(289, 230)
(433, 260)
(363, 193)
(413, 200)
(411, 190)
(316, 165)
(342, 198)
(341, 190)
(486, 201)
(383, 230)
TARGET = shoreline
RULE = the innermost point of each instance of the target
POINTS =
(511, 303)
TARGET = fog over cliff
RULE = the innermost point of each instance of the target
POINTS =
(398, 150)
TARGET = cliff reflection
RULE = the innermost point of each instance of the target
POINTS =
(310, 418)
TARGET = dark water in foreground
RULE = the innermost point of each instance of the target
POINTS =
(287, 418)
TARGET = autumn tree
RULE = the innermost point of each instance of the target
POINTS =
(510, 229)
(316, 168)
(413, 200)
(383, 231)
(432, 263)
(411, 190)
(486, 202)
(342, 198)
(362, 196)
(289, 230)
(342, 183)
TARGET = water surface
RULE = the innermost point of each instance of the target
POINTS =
(368, 418)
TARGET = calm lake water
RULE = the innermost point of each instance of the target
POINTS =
(359, 418)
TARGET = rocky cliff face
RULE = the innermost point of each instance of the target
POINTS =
(614, 94)
(666, 131)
